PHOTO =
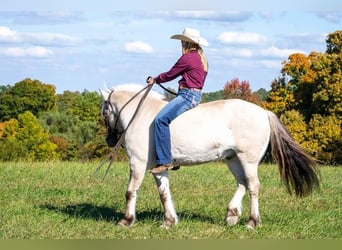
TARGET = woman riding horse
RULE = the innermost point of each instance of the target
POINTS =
(193, 67)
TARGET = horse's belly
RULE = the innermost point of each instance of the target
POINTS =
(193, 148)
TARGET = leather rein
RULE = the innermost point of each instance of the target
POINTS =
(111, 155)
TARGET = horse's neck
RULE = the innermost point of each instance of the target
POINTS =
(128, 106)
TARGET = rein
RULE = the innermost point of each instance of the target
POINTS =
(111, 155)
(167, 90)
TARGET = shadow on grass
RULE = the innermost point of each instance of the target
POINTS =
(111, 214)
(86, 211)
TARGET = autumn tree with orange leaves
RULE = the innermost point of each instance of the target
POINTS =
(239, 90)
(311, 86)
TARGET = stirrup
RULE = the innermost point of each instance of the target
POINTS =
(162, 168)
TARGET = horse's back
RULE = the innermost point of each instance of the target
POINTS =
(213, 130)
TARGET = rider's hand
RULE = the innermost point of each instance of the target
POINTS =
(150, 80)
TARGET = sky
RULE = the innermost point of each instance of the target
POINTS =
(81, 45)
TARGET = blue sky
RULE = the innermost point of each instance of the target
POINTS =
(79, 45)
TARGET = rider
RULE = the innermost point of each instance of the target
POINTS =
(193, 67)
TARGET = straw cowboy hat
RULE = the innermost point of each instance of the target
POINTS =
(191, 35)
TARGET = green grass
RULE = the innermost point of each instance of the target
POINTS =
(62, 201)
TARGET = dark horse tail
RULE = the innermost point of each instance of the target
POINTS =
(297, 168)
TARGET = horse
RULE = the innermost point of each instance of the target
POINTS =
(233, 130)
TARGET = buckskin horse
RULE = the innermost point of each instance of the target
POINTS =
(235, 130)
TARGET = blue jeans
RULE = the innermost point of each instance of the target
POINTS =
(185, 100)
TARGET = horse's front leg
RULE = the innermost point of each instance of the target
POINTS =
(162, 181)
(135, 180)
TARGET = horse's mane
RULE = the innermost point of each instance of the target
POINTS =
(134, 88)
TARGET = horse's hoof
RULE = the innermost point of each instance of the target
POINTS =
(168, 223)
(233, 216)
(165, 226)
(232, 220)
(124, 223)
(253, 223)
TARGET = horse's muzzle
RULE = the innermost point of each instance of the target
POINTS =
(112, 139)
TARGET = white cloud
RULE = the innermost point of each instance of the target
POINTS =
(224, 16)
(236, 52)
(271, 64)
(138, 47)
(49, 39)
(35, 51)
(331, 16)
(241, 38)
(278, 53)
(8, 35)
(53, 39)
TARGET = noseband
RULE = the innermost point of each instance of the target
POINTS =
(113, 135)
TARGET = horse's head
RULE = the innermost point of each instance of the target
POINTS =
(111, 117)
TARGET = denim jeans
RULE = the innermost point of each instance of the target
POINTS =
(185, 100)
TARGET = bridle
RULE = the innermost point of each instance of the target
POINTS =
(111, 131)
(109, 109)
(108, 105)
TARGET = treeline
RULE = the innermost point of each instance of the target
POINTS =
(38, 124)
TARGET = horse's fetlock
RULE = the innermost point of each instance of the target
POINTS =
(129, 195)
(233, 212)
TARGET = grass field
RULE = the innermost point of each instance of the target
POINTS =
(62, 201)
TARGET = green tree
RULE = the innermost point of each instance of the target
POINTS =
(327, 91)
(212, 96)
(334, 42)
(75, 124)
(85, 106)
(280, 98)
(27, 95)
(9, 148)
(262, 94)
(25, 139)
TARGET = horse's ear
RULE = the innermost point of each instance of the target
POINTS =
(104, 94)
(106, 88)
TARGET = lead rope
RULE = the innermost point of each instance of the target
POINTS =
(111, 155)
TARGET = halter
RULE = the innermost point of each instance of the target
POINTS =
(106, 113)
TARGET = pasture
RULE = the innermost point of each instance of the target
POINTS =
(63, 201)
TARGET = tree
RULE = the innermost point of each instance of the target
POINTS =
(295, 124)
(75, 124)
(262, 94)
(327, 92)
(300, 81)
(280, 98)
(25, 139)
(324, 138)
(84, 106)
(239, 90)
(27, 95)
(311, 85)
(212, 96)
(334, 42)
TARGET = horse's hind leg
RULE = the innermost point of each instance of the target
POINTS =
(234, 209)
(251, 171)
(246, 174)
(162, 181)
